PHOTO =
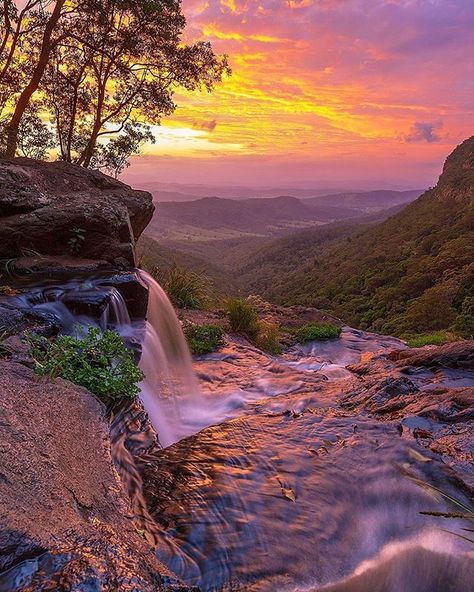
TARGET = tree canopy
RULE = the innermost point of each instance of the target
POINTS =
(99, 72)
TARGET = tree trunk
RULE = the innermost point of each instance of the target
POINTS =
(88, 153)
(32, 86)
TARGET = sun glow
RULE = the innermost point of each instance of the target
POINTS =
(314, 81)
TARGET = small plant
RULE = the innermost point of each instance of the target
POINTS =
(317, 332)
(98, 361)
(268, 338)
(4, 349)
(434, 338)
(243, 318)
(8, 267)
(185, 289)
(204, 339)
(77, 239)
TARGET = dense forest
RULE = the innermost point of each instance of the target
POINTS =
(412, 273)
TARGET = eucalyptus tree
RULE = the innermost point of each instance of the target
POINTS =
(103, 71)
(28, 37)
(116, 72)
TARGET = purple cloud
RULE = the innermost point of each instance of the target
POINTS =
(424, 132)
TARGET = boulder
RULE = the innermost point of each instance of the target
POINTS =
(65, 522)
(61, 209)
(459, 354)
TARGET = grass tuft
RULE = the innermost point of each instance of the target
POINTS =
(433, 338)
(243, 318)
(268, 338)
(204, 339)
(317, 332)
(186, 289)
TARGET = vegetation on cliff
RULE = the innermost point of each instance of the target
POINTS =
(98, 361)
(413, 273)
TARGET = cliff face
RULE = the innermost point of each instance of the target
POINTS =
(412, 273)
(61, 209)
(458, 170)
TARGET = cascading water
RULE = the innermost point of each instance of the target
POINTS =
(119, 307)
(170, 383)
(170, 391)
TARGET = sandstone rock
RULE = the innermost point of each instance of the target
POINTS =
(451, 355)
(65, 521)
(41, 205)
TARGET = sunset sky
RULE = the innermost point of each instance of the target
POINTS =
(324, 93)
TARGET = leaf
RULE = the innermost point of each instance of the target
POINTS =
(289, 494)
(418, 456)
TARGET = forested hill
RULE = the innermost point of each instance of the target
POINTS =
(215, 218)
(365, 201)
(412, 273)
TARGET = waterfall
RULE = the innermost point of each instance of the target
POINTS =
(170, 391)
(119, 307)
(170, 384)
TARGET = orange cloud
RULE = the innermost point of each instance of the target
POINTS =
(332, 79)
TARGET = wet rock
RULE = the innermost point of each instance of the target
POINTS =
(65, 522)
(44, 266)
(11, 320)
(427, 390)
(381, 395)
(17, 350)
(87, 302)
(459, 354)
(58, 209)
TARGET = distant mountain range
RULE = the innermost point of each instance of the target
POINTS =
(366, 201)
(185, 192)
(381, 260)
(215, 218)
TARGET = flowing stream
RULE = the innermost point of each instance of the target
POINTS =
(264, 483)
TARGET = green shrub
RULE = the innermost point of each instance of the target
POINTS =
(243, 318)
(98, 361)
(185, 289)
(268, 338)
(204, 339)
(318, 331)
(464, 324)
(433, 338)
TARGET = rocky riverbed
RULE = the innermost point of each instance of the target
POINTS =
(331, 466)
(318, 466)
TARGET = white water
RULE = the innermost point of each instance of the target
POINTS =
(170, 384)
(119, 307)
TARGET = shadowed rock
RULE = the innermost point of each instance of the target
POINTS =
(60, 209)
(65, 522)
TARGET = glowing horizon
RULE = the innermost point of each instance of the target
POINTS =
(368, 92)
